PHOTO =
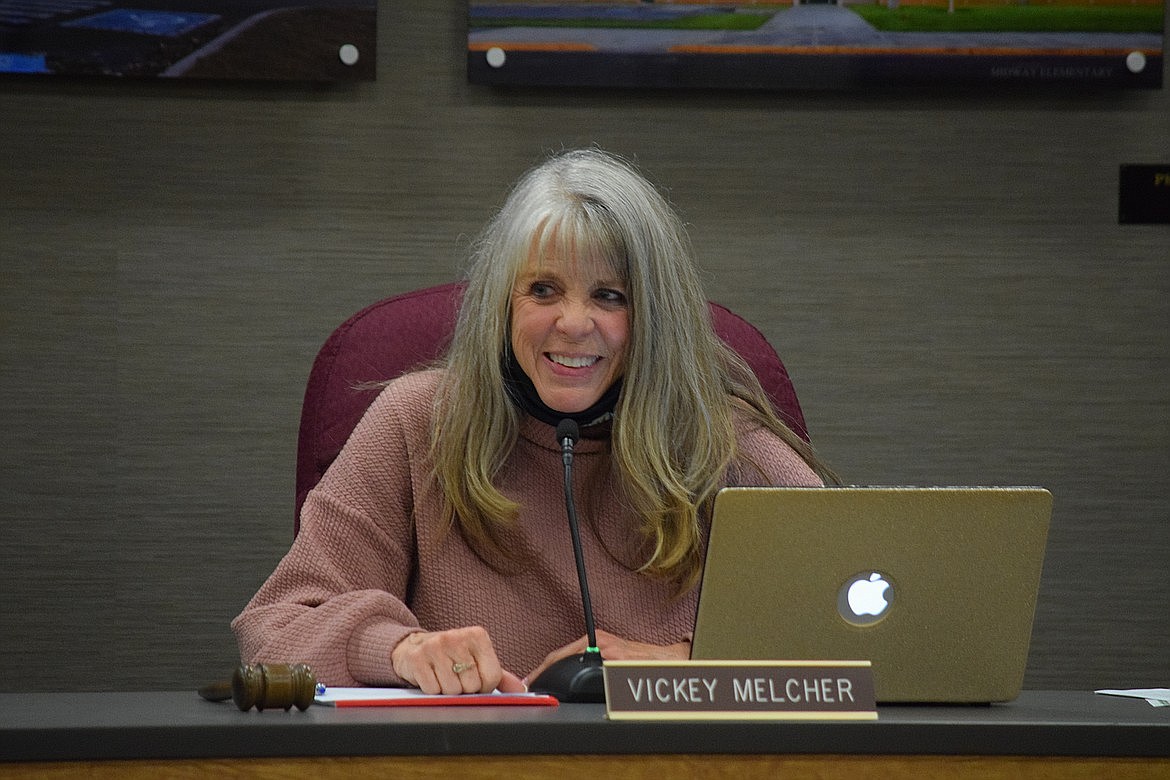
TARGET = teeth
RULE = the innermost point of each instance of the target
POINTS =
(573, 362)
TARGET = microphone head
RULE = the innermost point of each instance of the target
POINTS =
(567, 429)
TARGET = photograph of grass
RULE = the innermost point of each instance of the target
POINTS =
(793, 44)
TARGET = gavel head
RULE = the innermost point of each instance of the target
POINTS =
(269, 686)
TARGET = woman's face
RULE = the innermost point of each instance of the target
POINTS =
(570, 327)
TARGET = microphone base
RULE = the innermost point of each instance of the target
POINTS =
(578, 678)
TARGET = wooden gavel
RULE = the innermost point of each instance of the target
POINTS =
(266, 686)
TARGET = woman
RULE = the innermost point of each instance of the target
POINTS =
(435, 552)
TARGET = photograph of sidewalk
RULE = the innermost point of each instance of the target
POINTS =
(817, 45)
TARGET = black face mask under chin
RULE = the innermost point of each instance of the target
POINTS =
(523, 393)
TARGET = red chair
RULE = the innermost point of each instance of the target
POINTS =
(394, 335)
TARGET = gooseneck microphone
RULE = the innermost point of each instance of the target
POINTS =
(577, 678)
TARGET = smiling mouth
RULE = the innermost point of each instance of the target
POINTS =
(572, 362)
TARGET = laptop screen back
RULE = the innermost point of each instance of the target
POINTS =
(936, 586)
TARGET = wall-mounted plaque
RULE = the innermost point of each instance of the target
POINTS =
(200, 39)
(816, 43)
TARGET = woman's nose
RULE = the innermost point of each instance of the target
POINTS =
(576, 318)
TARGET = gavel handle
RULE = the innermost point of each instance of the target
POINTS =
(262, 686)
(217, 691)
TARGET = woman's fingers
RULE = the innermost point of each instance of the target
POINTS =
(459, 660)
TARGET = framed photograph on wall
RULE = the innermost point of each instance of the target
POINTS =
(818, 44)
(321, 40)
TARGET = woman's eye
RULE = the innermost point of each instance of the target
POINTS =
(615, 297)
(540, 290)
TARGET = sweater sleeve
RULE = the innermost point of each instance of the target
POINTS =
(336, 601)
(766, 460)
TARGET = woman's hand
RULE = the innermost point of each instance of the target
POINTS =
(614, 648)
(460, 660)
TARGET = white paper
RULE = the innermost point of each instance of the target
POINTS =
(1157, 697)
(334, 695)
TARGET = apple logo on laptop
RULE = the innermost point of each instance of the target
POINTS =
(865, 598)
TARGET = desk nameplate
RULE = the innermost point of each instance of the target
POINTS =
(739, 690)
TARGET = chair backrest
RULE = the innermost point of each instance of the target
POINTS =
(397, 334)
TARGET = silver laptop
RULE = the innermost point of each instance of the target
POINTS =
(935, 586)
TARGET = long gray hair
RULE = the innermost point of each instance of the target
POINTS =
(673, 438)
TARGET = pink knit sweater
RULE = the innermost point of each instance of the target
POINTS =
(372, 563)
